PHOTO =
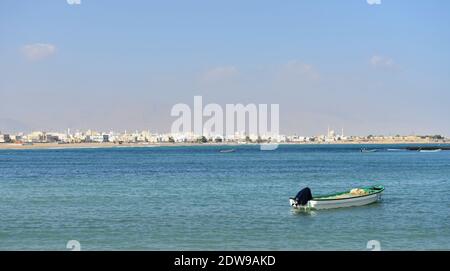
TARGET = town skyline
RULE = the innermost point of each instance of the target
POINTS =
(148, 136)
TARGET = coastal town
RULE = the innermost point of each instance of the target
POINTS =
(90, 137)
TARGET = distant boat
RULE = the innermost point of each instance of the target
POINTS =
(397, 149)
(227, 151)
(268, 146)
(436, 150)
(366, 150)
(355, 197)
(429, 148)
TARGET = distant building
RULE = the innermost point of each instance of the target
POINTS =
(51, 138)
(5, 138)
(17, 138)
(36, 137)
(97, 138)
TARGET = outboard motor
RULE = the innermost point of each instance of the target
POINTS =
(303, 196)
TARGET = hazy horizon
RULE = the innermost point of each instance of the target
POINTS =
(120, 65)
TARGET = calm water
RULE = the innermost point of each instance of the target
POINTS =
(195, 198)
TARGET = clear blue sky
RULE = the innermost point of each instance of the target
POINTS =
(104, 64)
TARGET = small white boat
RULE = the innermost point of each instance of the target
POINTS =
(354, 197)
(436, 150)
(227, 151)
(268, 146)
(366, 150)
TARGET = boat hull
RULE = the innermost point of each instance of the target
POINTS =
(338, 203)
(438, 150)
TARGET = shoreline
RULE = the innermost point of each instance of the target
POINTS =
(55, 146)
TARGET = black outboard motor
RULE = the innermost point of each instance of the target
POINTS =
(303, 196)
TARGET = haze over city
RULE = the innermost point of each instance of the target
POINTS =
(372, 67)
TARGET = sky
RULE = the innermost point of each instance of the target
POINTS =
(368, 66)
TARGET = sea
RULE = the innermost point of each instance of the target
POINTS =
(198, 198)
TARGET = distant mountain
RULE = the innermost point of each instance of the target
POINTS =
(13, 126)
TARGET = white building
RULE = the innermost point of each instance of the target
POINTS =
(36, 137)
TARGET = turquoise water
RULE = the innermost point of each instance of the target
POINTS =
(195, 198)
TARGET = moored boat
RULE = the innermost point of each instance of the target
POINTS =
(436, 150)
(366, 150)
(353, 197)
(227, 151)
